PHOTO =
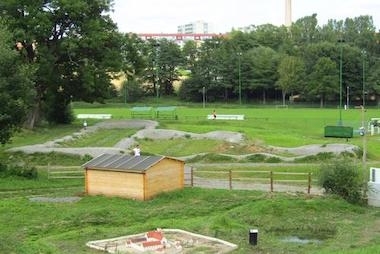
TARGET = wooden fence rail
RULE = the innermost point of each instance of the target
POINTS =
(237, 179)
(230, 179)
(63, 172)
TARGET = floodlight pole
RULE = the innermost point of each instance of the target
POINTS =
(125, 92)
(204, 96)
(340, 82)
(364, 53)
(239, 56)
(363, 117)
(156, 45)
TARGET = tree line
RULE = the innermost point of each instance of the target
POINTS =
(53, 52)
(303, 62)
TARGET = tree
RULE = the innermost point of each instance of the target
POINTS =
(76, 49)
(132, 91)
(169, 59)
(16, 82)
(323, 79)
(192, 88)
(305, 30)
(190, 53)
(163, 57)
(372, 82)
(361, 31)
(291, 72)
(262, 74)
(226, 60)
(207, 72)
(270, 36)
(132, 51)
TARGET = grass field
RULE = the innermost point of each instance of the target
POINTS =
(329, 223)
(332, 225)
(269, 126)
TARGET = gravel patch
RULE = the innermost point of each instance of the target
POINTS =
(55, 199)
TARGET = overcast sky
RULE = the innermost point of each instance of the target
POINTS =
(163, 16)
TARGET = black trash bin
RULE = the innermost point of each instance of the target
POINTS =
(253, 233)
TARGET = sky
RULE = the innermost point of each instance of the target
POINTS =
(163, 16)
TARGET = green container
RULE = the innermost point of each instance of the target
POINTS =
(339, 131)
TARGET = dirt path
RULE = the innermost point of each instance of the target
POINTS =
(147, 130)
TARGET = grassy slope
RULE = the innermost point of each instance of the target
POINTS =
(31, 227)
(38, 227)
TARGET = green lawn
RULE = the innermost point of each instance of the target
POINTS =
(101, 138)
(42, 227)
(268, 126)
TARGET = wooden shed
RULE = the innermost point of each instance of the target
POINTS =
(137, 177)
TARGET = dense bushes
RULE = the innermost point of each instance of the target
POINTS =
(132, 91)
(342, 177)
(7, 170)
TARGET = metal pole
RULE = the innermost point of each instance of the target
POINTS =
(363, 52)
(239, 54)
(125, 92)
(157, 84)
(204, 96)
(363, 118)
(156, 66)
(340, 83)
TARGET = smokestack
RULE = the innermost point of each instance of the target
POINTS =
(288, 13)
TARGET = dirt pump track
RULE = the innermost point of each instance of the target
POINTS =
(148, 129)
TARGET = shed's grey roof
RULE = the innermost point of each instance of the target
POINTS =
(123, 162)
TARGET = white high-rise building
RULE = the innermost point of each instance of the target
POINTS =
(197, 27)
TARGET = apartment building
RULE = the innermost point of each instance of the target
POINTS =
(197, 27)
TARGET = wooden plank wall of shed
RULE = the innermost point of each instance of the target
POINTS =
(167, 175)
(113, 183)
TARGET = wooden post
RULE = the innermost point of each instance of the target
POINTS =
(309, 183)
(182, 177)
(192, 177)
(230, 178)
(144, 186)
(86, 180)
(271, 181)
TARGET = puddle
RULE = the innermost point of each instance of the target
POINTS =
(296, 239)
